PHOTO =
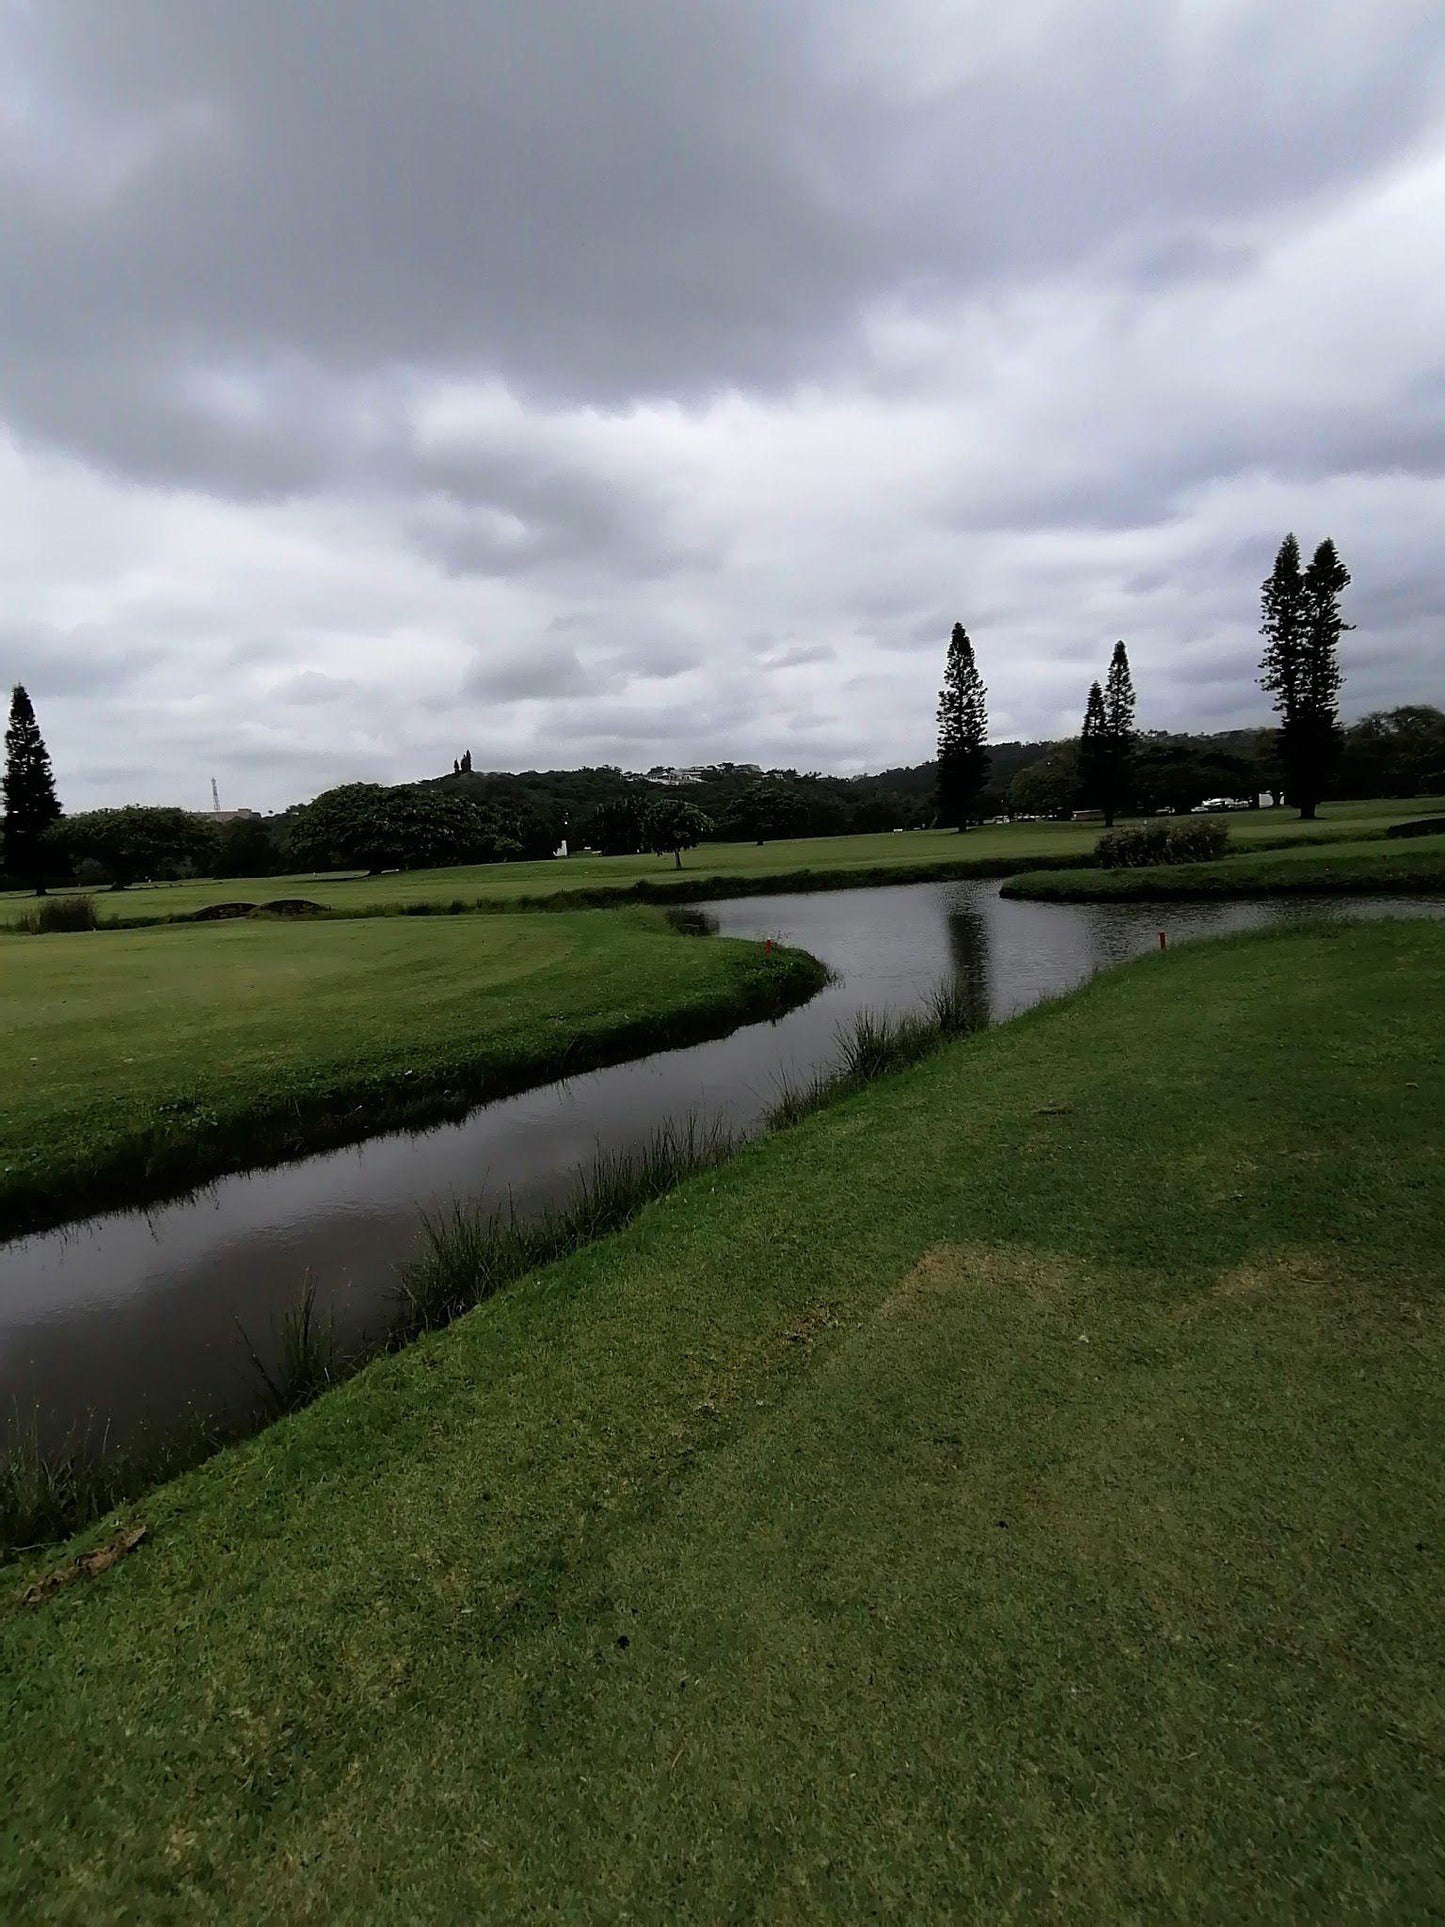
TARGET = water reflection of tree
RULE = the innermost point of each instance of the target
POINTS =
(968, 949)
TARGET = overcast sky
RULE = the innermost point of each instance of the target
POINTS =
(657, 381)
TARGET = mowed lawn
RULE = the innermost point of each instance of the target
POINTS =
(134, 1054)
(868, 856)
(1387, 867)
(1015, 1494)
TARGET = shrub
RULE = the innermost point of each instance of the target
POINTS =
(60, 913)
(1196, 840)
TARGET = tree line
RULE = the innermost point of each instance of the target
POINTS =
(469, 816)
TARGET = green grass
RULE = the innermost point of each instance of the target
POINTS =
(1014, 1494)
(1406, 867)
(143, 1060)
(714, 868)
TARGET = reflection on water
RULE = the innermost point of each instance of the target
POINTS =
(129, 1316)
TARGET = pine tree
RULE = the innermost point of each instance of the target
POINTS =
(1301, 625)
(1119, 736)
(1094, 750)
(29, 791)
(963, 758)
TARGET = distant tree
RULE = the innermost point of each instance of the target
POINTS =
(962, 733)
(465, 766)
(1120, 737)
(768, 809)
(616, 827)
(1175, 773)
(672, 826)
(246, 849)
(139, 843)
(1395, 752)
(29, 794)
(1047, 787)
(411, 826)
(1301, 625)
(1094, 751)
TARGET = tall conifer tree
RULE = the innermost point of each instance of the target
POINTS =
(963, 758)
(1301, 625)
(29, 792)
(1119, 737)
(1094, 750)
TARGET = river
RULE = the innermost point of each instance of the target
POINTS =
(130, 1320)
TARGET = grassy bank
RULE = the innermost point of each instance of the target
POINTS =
(149, 1060)
(713, 870)
(1013, 1494)
(1375, 868)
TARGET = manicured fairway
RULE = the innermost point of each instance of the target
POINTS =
(143, 1056)
(1383, 868)
(1015, 1494)
(994, 849)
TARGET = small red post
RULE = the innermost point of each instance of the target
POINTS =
(767, 946)
(1163, 941)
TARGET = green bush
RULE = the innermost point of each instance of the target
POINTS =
(60, 913)
(1194, 840)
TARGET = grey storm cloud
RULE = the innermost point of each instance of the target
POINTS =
(348, 351)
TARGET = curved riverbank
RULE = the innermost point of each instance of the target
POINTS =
(1375, 868)
(1089, 1366)
(162, 1059)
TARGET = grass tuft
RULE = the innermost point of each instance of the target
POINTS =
(306, 1357)
(873, 1045)
(45, 1495)
(470, 1253)
(54, 914)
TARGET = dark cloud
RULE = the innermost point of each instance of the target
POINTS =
(365, 369)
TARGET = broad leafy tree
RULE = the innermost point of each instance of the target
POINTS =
(30, 801)
(769, 809)
(1048, 786)
(673, 825)
(137, 843)
(962, 733)
(1301, 625)
(366, 826)
(616, 827)
(1396, 752)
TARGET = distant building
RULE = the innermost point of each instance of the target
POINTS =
(226, 816)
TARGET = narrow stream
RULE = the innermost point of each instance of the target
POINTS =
(131, 1318)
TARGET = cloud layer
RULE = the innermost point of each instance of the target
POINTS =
(582, 381)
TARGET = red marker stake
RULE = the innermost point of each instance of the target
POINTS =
(1163, 941)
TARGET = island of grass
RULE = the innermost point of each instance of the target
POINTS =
(712, 870)
(145, 1061)
(1408, 867)
(1014, 1493)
